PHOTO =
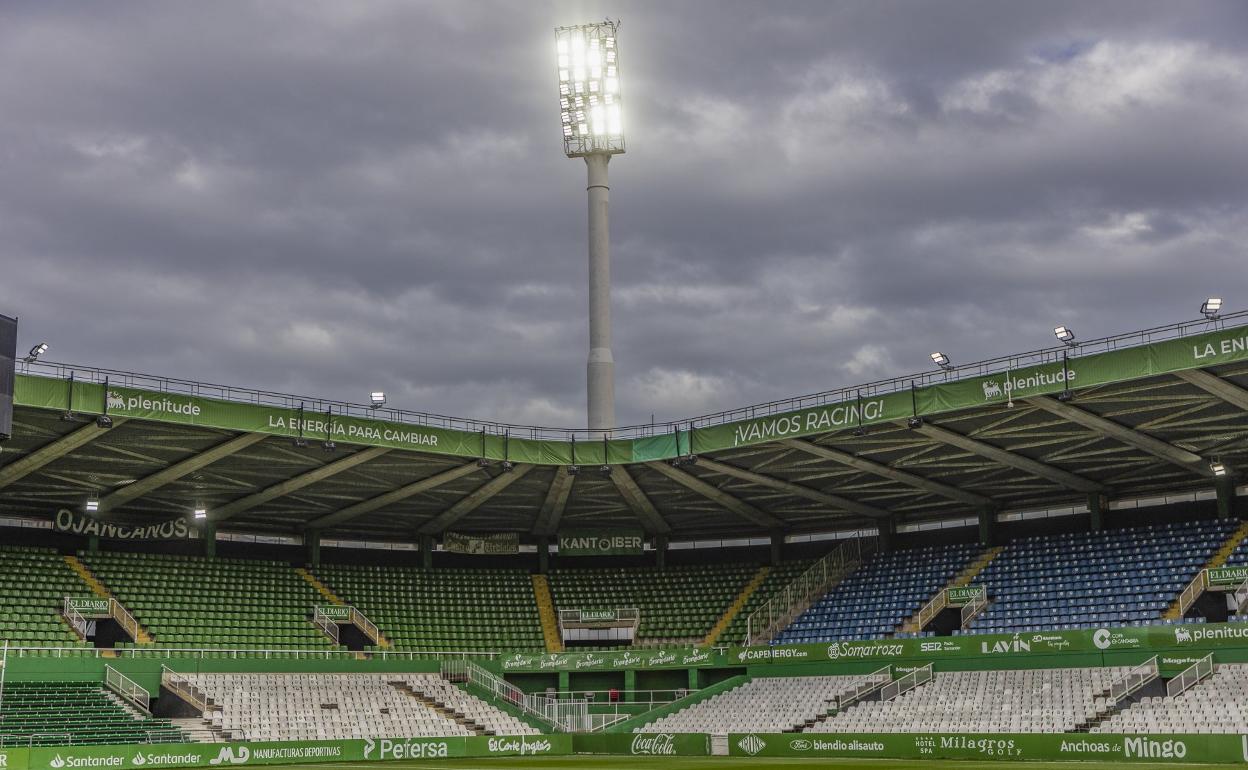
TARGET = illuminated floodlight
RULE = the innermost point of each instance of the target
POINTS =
(1211, 308)
(35, 352)
(1217, 467)
(940, 359)
(93, 505)
(201, 512)
(378, 399)
(588, 64)
(1064, 334)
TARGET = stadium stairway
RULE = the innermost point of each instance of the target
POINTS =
(320, 587)
(1218, 559)
(546, 613)
(142, 635)
(441, 708)
(33, 585)
(734, 609)
(961, 580)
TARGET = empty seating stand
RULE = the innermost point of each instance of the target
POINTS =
(445, 609)
(33, 585)
(879, 596)
(1218, 704)
(780, 576)
(679, 603)
(1086, 580)
(57, 713)
(194, 602)
(759, 705)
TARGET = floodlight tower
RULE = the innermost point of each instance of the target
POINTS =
(589, 101)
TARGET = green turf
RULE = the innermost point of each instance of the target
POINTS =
(705, 763)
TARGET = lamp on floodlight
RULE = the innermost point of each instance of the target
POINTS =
(941, 360)
(377, 399)
(914, 423)
(328, 445)
(591, 124)
(508, 466)
(1064, 334)
(201, 512)
(93, 505)
(35, 352)
(1218, 468)
(604, 469)
(1211, 308)
(574, 470)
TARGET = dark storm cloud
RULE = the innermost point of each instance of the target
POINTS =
(328, 197)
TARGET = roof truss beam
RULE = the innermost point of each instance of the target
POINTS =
(718, 496)
(176, 471)
(1142, 441)
(556, 501)
(24, 466)
(888, 472)
(1216, 386)
(292, 485)
(1010, 459)
(474, 500)
(394, 496)
(651, 520)
(796, 490)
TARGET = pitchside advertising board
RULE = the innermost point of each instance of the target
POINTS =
(1178, 645)
(970, 746)
(1209, 349)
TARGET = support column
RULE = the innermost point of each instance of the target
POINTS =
(543, 555)
(630, 680)
(208, 532)
(888, 533)
(1096, 510)
(987, 526)
(695, 679)
(1225, 487)
(600, 370)
(93, 543)
(565, 681)
(312, 544)
(660, 551)
(777, 548)
(426, 551)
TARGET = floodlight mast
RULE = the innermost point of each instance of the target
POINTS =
(589, 100)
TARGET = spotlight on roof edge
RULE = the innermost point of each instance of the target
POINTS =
(589, 88)
(201, 512)
(1064, 334)
(940, 359)
(1217, 467)
(93, 505)
(378, 399)
(35, 352)
(1211, 308)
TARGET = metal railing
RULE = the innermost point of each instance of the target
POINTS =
(181, 686)
(151, 651)
(599, 722)
(1191, 676)
(73, 739)
(623, 616)
(934, 607)
(974, 607)
(327, 626)
(1193, 591)
(869, 684)
(1133, 681)
(75, 620)
(567, 715)
(361, 621)
(129, 689)
(785, 605)
(128, 623)
(651, 698)
(1240, 597)
(312, 406)
(916, 678)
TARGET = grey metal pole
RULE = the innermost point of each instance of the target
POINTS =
(600, 371)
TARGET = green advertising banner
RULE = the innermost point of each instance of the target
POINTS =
(521, 662)
(959, 596)
(500, 544)
(602, 543)
(643, 744)
(1129, 363)
(1228, 576)
(93, 607)
(14, 759)
(1184, 749)
(336, 612)
(172, 529)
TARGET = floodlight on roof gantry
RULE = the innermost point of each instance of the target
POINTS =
(589, 89)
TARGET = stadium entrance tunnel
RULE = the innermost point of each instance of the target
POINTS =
(351, 637)
(107, 633)
(946, 622)
(1212, 606)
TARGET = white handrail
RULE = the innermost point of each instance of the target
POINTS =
(934, 607)
(327, 626)
(128, 689)
(76, 620)
(974, 607)
(1133, 680)
(362, 622)
(123, 617)
(792, 600)
(870, 683)
(905, 684)
(181, 686)
(1240, 596)
(1193, 591)
(571, 715)
(1190, 676)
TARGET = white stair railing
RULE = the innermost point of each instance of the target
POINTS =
(361, 621)
(327, 626)
(791, 601)
(934, 607)
(1240, 595)
(905, 684)
(1191, 676)
(75, 620)
(129, 689)
(124, 619)
(1133, 681)
(181, 686)
(570, 715)
(869, 684)
(974, 607)
(1193, 591)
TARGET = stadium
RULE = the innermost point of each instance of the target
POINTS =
(1039, 557)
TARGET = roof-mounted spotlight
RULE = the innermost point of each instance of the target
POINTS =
(1064, 334)
(377, 399)
(1211, 308)
(941, 360)
(42, 348)
(328, 445)
(573, 470)
(93, 505)
(604, 469)
(1066, 395)
(300, 443)
(201, 512)
(483, 463)
(507, 466)
(1218, 467)
(104, 422)
(914, 423)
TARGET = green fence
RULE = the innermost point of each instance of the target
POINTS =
(997, 746)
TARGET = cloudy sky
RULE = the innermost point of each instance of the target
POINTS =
(332, 197)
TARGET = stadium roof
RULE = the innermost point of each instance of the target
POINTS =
(1126, 416)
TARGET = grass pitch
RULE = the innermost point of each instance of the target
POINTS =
(709, 763)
